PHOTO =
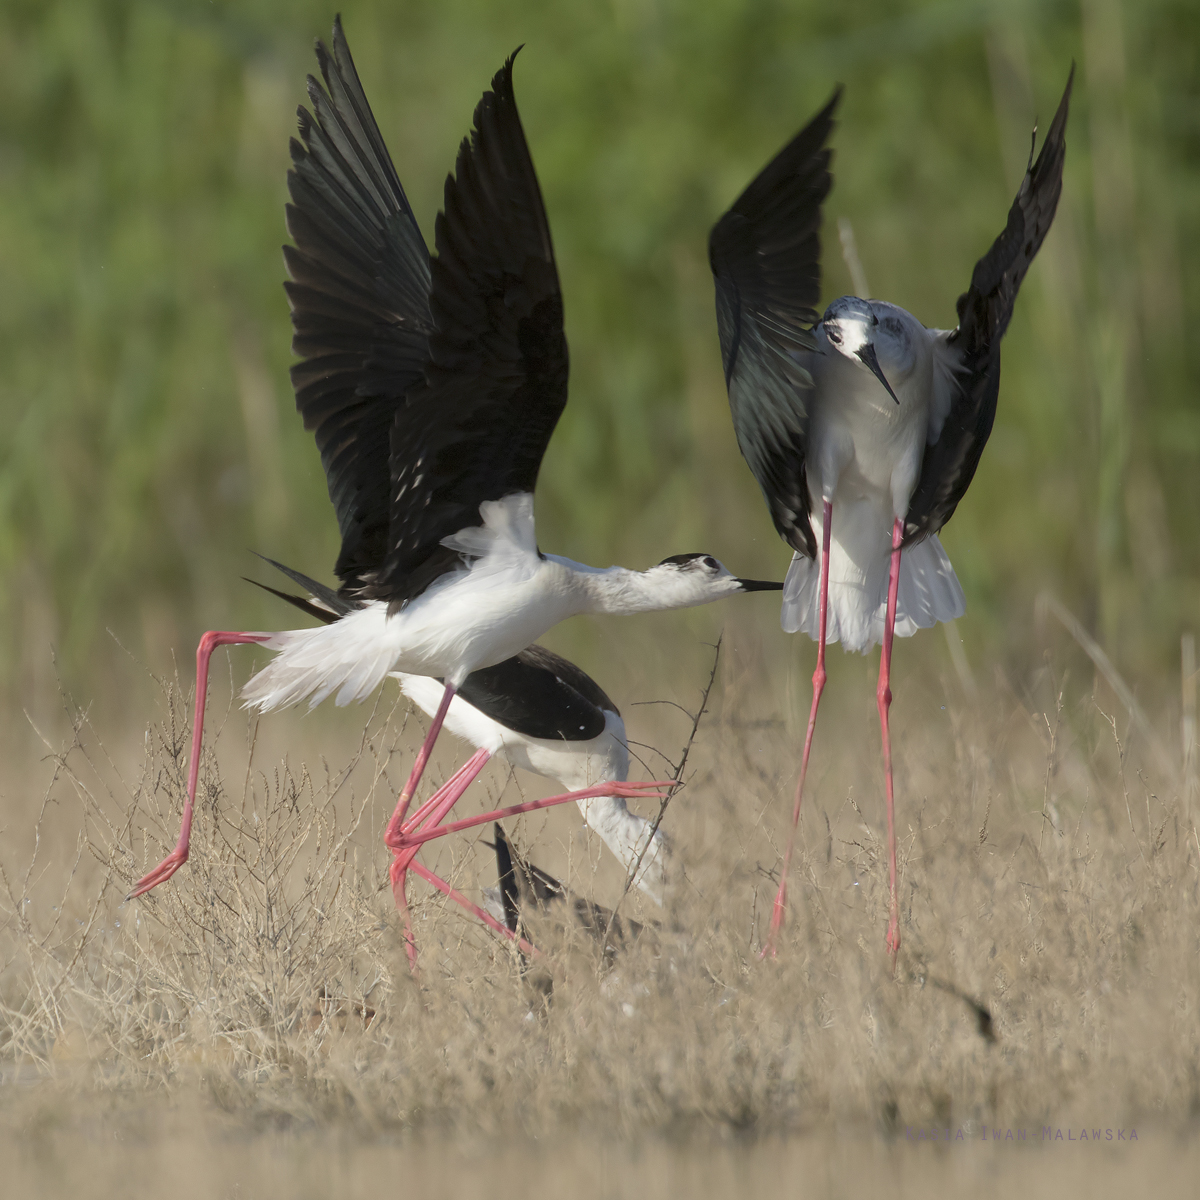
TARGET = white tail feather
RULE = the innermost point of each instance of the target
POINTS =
(929, 592)
(352, 657)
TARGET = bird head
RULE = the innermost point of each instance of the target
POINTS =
(700, 578)
(848, 328)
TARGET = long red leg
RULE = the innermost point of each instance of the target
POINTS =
(397, 822)
(818, 680)
(169, 865)
(431, 812)
(883, 696)
(429, 832)
(434, 809)
(459, 898)
(426, 825)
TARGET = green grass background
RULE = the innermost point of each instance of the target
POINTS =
(147, 431)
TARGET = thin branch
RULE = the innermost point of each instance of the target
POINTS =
(662, 808)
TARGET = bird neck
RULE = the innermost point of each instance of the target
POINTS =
(628, 836)
(620, 592)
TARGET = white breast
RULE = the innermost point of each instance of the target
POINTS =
(865, 455)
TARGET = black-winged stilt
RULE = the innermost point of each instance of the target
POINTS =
(863, 428)
(433, 387)
(537, 711)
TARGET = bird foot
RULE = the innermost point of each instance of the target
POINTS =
(160, 874)
(769, 951)
(893, 941)
(633, 790)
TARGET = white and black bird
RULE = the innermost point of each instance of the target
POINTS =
(433, 386)
(862, 427)
(540, 712)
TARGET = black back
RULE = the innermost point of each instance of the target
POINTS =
(541, 695)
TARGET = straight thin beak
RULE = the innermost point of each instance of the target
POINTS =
(760, 585)
(867, 355)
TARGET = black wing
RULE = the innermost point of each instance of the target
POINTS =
(765, 254)
(541, 695)
(476, 427)
(523, 884)
(972, 350)
(359, 295)
(508, 878)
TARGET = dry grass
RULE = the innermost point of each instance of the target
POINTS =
(1047, 877)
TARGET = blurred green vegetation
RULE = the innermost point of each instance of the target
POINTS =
(147, 430)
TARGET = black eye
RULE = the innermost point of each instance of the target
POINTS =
(711, 563)
(833, 335)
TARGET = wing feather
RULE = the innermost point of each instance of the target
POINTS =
(359, 295)
(970, 354)
(476, 426)
(765, 258)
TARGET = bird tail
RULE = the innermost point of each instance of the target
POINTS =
(352, 657)
(929, 592)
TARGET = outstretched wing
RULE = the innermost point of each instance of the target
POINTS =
(765, 254)
(359, 294)
(970, 354)
(477, 424)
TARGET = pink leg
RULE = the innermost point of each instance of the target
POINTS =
(169, 865)
(818, 680)
(406, 794)
(883, 695)
(434, 810)
(428, 833)
(430, 815)
(459, 898)
(431, 812)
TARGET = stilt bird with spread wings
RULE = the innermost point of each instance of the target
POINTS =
(862, 427)
(432, 386)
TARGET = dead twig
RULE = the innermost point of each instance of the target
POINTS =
(678, 777)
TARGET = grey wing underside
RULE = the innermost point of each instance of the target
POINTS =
(971, 353)
(765, 254)
(770, 398)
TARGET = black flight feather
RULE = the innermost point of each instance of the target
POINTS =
(475, 426)
(984, 312)
(765, 254)
(359, 294)
(524, 885)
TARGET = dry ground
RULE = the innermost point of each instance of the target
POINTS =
(259, 1003)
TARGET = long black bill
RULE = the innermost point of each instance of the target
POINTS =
(867, 355)
(760, 585)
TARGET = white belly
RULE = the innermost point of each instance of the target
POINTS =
(865, 457)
